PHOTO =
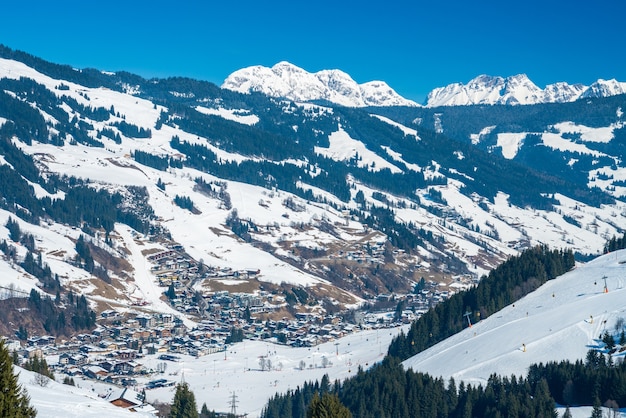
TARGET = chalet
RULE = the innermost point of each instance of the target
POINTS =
(31, 352)
(91, 349)
(125, 354)
(108, 345)
(95, 372)
(12, 345)
(107, 365)
(167, 320)
(146, 321)
(163, 332)
(73, 359)
(41, 341)
(126, 398)
(162, 255)
(72, 371)
(127, 367)
(99, 333)
(109, 314)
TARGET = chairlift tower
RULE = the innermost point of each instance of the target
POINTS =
(606, 288)
(467, 315)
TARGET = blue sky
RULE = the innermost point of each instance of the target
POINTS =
(414, 46)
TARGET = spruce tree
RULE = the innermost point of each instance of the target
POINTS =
(567, 413)
(328, 406)
(596, 412)
(14, 401)
(184, 405)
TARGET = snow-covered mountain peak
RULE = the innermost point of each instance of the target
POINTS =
(485, 89)
(294, 83)
(517, 89)
(286, 70)
(604, 88)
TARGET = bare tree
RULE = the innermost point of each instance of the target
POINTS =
(41, 380)
(325, 362)
(613, 408)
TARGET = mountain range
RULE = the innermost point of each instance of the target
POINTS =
(335, 86)
(518, 90)
(322, 208)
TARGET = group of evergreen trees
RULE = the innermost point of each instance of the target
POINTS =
(615, 243)
(327, 405)
(75, 315)
(596, 379)
(387, 390)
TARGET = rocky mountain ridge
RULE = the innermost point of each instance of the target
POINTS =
(334, 86)
(288, 81)
(518, 90)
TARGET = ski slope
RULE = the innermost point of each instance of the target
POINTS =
(561, 320)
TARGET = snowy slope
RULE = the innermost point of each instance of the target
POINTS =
(289, 81)
(561, 320)
(56, 400)
(216, 377)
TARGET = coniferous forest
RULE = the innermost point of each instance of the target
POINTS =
(387, 390)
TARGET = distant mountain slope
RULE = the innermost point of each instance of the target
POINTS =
(561, 320)
(517, 90)
(335, 199)
(291, 82)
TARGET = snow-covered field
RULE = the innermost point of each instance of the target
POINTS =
(214, 378)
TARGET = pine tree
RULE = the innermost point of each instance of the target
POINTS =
(14, 401)
(205, 413)
(597, 410)
(184, 405)
(328, 406)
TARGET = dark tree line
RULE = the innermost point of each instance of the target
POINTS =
(184, 202)
(615, 244)
(584, 382)
(39, 269)
(132, 131)
(155, 161)
(387, 390)
(84, 259)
